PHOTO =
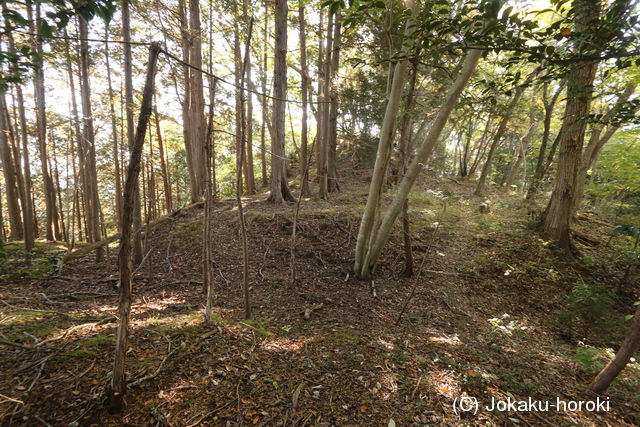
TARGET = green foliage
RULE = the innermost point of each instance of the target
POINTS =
(591, 359)
(57, 15)
(588, 308)
(15, 262)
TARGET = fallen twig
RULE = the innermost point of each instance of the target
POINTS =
(14, 308)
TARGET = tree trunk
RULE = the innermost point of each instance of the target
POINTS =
(28, 220)
(370, 215)
(196, 102)
(263, 145)
(324, 111)
(118, 380)
(556, 220)
(304, 88)
(114, 133)
(52, 230)
(371, 242)
(497, 137)
(332, 120)
(91, 177)
(128, 89)
(280, 191)
(522, 151)
(549, 106)
(320, 107)
(598, 140)
(622, 357)
(10, 177)
(166, 179)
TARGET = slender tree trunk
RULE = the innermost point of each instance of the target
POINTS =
(239, 148)
(324, 106)
(597, 141)
(304, 89)
(263, 145)
(497, 138)
(186, 99)
(52, 231)
(114, 132)
(549, 106)
(404, 146)
(166, 179)
(91, 184)
(280, 191)
(371, 242)
(129, 106)
(28, 220)
(320, 106)
(522, 150)
(10, 176)
(371, 212)
(482, 147)
(118, 380)
(332, 120)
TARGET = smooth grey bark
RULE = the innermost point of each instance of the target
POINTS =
(371, 213)
(366, 268)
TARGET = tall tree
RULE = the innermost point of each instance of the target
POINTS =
(114, 130)
(28, 214)
(332, 119)
(10, 176)
(92, 201)
(497, 137)
(52, 228)
(280, 191)
(129, 106)
(304, 89)
(197, 123)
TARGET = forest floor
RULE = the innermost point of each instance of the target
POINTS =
(481, 323)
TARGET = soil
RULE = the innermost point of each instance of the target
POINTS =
(479, 324)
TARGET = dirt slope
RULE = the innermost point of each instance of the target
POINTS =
(349, 363)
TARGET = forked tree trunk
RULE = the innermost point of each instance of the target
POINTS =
(380, 237)
(118, 380)
(598, 140)
(549, 105)
(280, 191)
(368, 223)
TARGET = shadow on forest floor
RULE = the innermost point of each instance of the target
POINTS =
(482, 323)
